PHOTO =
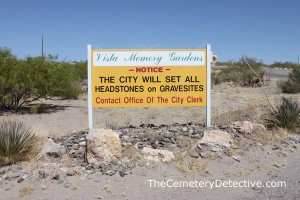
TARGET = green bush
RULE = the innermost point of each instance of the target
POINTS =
(240, 73)
(286, 115)
(17, 142)
(27, 80)
(81, 70)
(292, 85)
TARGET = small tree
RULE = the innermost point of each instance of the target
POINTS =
(292, 85)
(27, 80)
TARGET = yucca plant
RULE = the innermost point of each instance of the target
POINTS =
(286, 115)
(17, 142)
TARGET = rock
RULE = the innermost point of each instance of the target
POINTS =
(157, 155)
(172, 141)
(194, 154)
(83, 143)
(275, 147)
(76, 141)
(56, 177)
(154, 145)
(60, 181)
(198, 130)
(89, 171)
(42, 174)
(216, 138)
(185, 129)
(127, 138)
(173, 129)
(122, 173)
(247, 127)
(236, 158)
(166, 156)
(168, 135)
(20, 180)
(224, 126)
(75, 146)
(204, 155)
(103, 146)
(2, 171)
(215, 149)
(70, 172)
(52, 149)
(110, 172)
(98, 197)
(276, 165)
(12, 177)
(165, 140)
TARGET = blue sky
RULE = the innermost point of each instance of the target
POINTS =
(265, 29)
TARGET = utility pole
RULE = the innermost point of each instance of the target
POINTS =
(42, 46)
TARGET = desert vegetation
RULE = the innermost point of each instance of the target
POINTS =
(17, 142)
(292, 85)
(246, 71)
(283, 65)
(25, 80)
(286, 115)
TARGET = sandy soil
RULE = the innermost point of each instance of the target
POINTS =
(229, 103)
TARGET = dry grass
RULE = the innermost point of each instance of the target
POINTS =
(252, 111)
(271, 137)
(66, 160)
(189, 165)
(26, 190)
(127, 121)
(30, 165)
(133, 154)
(113, 125)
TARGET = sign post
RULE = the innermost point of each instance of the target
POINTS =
(208, 85)
(90, 108)
(149, 78)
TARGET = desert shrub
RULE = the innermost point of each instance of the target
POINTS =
(217, 78)
(286, 115)
(17, 142)
(33, 78)
(283, 65)
(292, 85)
(240, 73)
(81, 69)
